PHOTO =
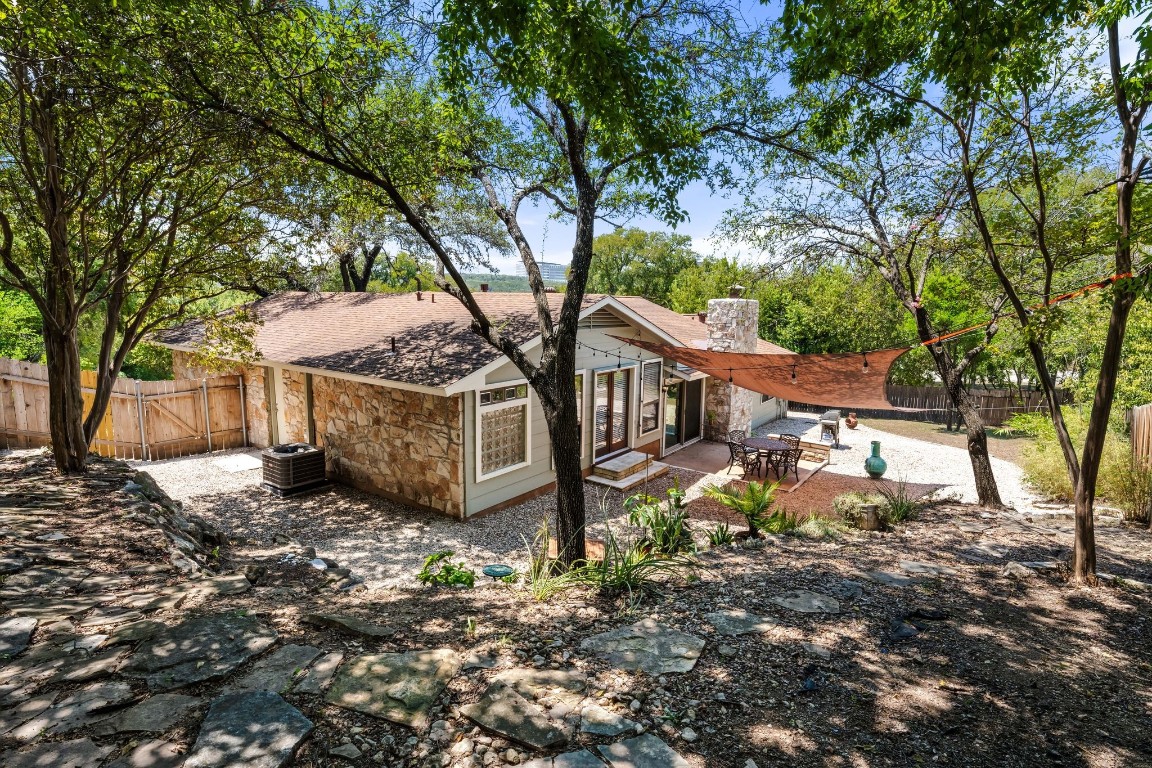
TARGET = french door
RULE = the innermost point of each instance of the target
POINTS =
(611, 412)
(682, 413)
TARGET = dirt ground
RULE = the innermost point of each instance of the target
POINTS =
(963, 666)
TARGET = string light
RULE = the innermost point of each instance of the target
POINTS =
(729, 375)
(865, 362)
(793, 374)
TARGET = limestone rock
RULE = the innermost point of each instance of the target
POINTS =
(15, 633)
(643, 751)
(581, 759)
(153, 715)
(82, 708)
(805, 601)
(151, 754)
(504, 711)
(348, 624)
(78, 753)
(564, 685)
(279, 670)
(320, 674)
(646, 646)
(738, 622)
(197, 650)
(599, 721)
(400, 687)
(256, 729)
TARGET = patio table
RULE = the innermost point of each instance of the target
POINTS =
(770, 448)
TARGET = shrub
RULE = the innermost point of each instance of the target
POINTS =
(720, 537)
(820, 527)
(780, 521)
(631, 569)
(541, 577)
(1043, 461)
(1133, 492)
(667, 527)
(439, 571)
(898, 505)
(753, 503)
(847, 506)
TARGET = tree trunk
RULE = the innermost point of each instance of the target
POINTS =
(564, 434)
(65, 401)
(986, 489)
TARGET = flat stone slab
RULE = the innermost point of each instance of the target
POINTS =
(153, 715)
(78, 753)
(738, 622)
(400, 687)
(24, 711)
(84, 707)
(581, 759)
(503, 711)
(232, 584)
(348, 624)
(926, 569)
(15, 634)
(599, 721)
(279, 670)
(52, 610)
(889, 579)
(255, 729)
(151, 754)
(197, 650)
(560, 684)
(806, 601)
(643, 751)
(646, 646)
(970, 526)
(320, 674)
(136, 631)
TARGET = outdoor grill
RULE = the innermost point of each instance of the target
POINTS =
(293, 468)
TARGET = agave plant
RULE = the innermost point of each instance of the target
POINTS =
(754, 502)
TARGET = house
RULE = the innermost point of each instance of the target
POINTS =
(412, 405)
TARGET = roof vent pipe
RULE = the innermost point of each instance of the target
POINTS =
(393, 345)
(702, 316)
(483, 287)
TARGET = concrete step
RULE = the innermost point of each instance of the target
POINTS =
(622, 466)
(653, 470)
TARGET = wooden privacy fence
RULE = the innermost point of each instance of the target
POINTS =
(1142, 432)
(144, 420)
(933, 404)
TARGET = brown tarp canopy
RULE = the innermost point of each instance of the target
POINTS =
(835, 380)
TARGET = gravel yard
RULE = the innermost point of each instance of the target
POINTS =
(385, 542)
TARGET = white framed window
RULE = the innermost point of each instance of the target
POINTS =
(765, 398)
(503, 434)
(650, 380)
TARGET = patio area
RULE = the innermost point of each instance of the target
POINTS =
(714, 459)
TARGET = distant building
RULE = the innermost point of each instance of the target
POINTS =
(557, 273)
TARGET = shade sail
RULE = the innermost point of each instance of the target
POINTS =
(835, 380)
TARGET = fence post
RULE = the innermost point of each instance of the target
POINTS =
(207, 419)
(140, 419)
(243, 413)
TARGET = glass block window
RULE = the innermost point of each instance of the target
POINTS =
(650, 396)
(503, 428)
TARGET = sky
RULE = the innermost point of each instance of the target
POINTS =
(551, 238)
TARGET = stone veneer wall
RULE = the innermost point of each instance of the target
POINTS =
(402, 444)
(733, 325)
(294, 425)
(255, 400)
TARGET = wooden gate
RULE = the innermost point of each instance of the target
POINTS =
(144, 420)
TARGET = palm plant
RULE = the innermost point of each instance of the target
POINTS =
(753, 502)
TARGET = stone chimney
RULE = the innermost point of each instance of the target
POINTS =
(733, 326)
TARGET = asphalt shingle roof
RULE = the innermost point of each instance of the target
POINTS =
(352, 333)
